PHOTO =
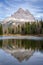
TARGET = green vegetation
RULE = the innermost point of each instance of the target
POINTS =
(1, 30)
(30, 28)
(27, 28)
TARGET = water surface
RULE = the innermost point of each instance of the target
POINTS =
(22, 37)
(21, 51)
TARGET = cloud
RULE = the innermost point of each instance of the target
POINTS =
(8, 7)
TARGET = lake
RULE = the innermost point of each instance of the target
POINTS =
(21, 51)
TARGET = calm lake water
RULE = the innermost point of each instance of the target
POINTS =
(21, 52)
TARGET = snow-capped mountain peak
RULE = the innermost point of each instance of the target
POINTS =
(21, 15)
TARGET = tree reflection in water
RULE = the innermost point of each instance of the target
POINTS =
(21, 49)
(11, 43)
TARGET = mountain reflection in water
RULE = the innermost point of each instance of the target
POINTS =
(21, 49)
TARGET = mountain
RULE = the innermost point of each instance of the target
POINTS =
(20, 16)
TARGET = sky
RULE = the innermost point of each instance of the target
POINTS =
(8, 7)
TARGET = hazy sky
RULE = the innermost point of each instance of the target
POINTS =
(8, 7)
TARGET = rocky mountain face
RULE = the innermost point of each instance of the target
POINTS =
(21, 15)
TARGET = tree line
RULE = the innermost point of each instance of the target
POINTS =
(28, 28)
(25, 29)
(1, 29)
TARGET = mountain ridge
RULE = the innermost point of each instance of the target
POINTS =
(21, 15)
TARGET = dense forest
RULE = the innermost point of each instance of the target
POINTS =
(26, 29)
(1, 30)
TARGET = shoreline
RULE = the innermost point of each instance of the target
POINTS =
(21, 37)
(39, 35)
